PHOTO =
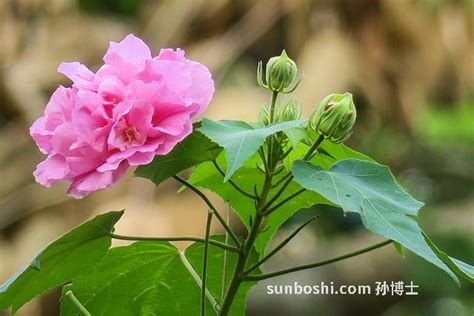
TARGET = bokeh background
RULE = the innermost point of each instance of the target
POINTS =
(409, 64)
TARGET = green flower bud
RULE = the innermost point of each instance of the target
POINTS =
(334, 117)
(281, 72)
(264, 116)
(290, 111)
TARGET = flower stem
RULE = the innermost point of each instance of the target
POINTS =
(211, 206)
(204, 262)
(78, 304)
(196, 239)
(272, 106)
(317, 264)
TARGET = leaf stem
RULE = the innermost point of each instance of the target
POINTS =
(211, 206)
(195, 239)
(198, 281)
(78, 304)
(280, 246)
(287, 199)
(317, 264)
(232, 183)
(204, 262)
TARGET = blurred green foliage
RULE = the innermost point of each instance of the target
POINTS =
(440, 124)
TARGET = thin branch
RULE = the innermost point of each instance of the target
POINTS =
(232, 183)
(317, 264)
(204, 262)
(281, 180)
(195, 239)
(287, 199)
(280, 246)
(211, 206)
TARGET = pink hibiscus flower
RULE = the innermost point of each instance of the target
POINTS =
(134, 107)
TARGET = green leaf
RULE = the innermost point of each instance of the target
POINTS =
(371, 190)
(399, 249)
(241, 140)
(457, 266)
(193, 150)
(206, 176)
(72, 255)
(328, 154)
(215, 272)
(295, 135)
(144, 278)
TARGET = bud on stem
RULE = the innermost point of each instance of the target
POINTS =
(334, 117)
(280, 74)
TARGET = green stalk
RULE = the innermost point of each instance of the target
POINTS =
(238, 276)
(204, 262)
(195, 239)
(317, 264)
(211, 206)
(280, 246)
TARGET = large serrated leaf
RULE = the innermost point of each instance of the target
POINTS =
(457, 266)
(144, 278)
(193, 150)
(241, 140)
(371, 190)
(72, 255)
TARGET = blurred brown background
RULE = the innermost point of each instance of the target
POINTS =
(409, 64)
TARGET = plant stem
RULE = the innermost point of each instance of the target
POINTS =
(211, 206)
(232, 183)
(272, 106)
(280, 246)
(308, 155)
(204, 262)
(196, 239)
(224, 269)
(239, 274)
(317, 264)
(78, 304)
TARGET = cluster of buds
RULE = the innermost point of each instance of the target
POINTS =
(289, 112)
(333, 118)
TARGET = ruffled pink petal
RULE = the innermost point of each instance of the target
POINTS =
(41, 135)
(202, 88)
(171, 54)
(131, 50)
(80, 75)
(51, 170)
(95, 181)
